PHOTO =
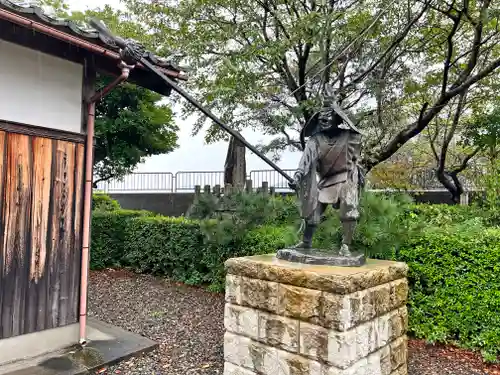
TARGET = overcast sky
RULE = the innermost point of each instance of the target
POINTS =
(193, 154)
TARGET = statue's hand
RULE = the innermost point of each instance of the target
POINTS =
(296, 181)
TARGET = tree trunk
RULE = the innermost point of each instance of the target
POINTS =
(451, 182)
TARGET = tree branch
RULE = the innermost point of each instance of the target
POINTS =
(451, 133)
(466, 161)
(447, 63)
(399, 38)
(478, 33)
(425, 117)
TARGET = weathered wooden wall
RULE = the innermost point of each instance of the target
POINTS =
(41, 199)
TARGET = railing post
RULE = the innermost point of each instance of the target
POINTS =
(217, 190)
(248, 186)
(265, 187)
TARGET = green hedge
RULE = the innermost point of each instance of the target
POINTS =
(174, 247)
(455, 286)
(103, 202)
(109, 232)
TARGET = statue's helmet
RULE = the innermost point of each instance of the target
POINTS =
(330, 115)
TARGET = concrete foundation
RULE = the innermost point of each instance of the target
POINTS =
(54, 351)
(285, 318)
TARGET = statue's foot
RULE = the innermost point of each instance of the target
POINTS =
(344, 250)
(302, 245)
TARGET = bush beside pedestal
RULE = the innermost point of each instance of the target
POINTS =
(284, 318)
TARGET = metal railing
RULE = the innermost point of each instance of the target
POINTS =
(185, 181)
(144, 181)
(273, 178)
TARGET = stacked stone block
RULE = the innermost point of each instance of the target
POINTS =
(283, 318)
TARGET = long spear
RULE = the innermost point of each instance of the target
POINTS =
(134, 51)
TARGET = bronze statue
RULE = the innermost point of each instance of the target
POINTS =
(332, 153)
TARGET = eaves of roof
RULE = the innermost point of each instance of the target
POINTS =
(76, 29)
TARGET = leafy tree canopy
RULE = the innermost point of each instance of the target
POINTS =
(262, 64)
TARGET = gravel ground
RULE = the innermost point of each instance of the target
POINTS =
(188, 324)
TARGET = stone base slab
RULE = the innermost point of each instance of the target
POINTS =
(320, 257)
(284, 318)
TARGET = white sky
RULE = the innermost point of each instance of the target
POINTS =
(193, 154)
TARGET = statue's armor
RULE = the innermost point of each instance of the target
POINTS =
(337, 157)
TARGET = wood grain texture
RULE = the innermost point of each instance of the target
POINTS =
(67, 217)
(3, 176)
(76, 254)
(41, 190)
(16, 233)
(37, 293)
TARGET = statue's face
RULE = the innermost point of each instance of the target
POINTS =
(325, 117)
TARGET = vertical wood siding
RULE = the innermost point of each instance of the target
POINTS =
(41, 191)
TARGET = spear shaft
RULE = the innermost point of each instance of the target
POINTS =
(135, 52)
(214, 118)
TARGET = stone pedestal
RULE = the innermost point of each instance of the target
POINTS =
(285, 318)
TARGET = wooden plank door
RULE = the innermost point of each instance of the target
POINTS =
(41, 193)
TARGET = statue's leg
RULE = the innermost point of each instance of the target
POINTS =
(349, 215)
(311, 225)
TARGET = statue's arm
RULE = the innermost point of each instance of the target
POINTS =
(308, 159)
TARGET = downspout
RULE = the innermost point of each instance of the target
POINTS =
(87, 208)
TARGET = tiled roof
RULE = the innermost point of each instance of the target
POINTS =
(79, 29)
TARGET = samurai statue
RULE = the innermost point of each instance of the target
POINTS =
(332, 153)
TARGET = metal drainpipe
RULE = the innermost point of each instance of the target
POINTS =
(87, 209)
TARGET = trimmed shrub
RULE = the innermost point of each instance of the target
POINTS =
(455, 286)
(103, 202)
(165, 246)
(109, 231)
(186, 250)
(266, 239)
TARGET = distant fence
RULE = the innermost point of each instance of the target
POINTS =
(186, 181)
(140, 182)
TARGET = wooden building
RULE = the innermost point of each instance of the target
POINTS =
(48, 68)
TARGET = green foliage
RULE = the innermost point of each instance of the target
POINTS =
(490, 182)
(249, 209)
(232, 227)
(103, 202)
(382, 228)
(165, 246)
(455, 286)
(109, 231)
(130, 126)
(438, 215)
(227, 219)
(179, 248)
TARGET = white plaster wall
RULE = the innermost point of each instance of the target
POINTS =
(39, 89)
